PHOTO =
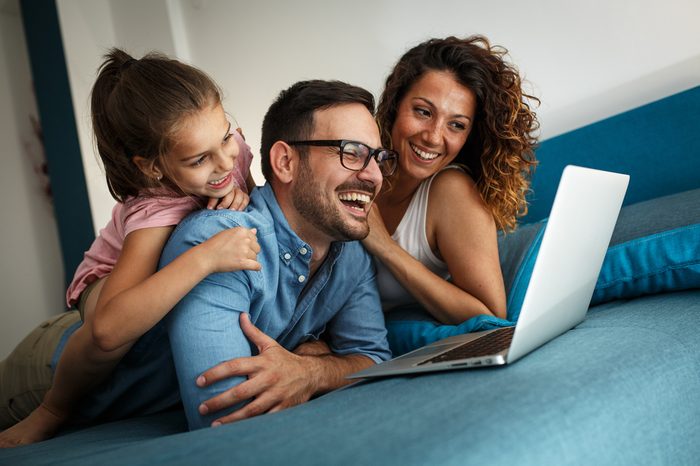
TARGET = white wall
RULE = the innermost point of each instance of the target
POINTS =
(586, 60)
(31, 276)
(89, 28)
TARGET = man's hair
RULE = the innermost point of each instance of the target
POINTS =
(291, 116)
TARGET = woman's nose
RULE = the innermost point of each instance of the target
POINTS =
(433, 134)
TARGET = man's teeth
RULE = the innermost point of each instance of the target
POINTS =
(355, 197)
(424, 155)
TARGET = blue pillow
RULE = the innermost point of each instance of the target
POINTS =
(517, 252)
(655, 248)
(410, 327)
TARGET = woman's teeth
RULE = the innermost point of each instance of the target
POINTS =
(424, 155)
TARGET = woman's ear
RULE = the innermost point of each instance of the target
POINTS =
(283, 161)
(148, 167)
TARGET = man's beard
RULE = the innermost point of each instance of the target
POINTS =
(315, 207)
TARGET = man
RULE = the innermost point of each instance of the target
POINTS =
(322, 175)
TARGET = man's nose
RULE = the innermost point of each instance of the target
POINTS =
(371, 173)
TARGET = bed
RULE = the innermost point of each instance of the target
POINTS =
(623, 387)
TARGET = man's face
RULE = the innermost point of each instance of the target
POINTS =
(332, 199)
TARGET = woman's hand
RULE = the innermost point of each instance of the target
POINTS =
(233, 249)
(237, 199)
(378, 236)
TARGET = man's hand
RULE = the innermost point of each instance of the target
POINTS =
(277, 379)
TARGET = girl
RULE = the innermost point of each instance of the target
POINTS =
(167, 149)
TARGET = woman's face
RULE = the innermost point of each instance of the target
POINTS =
(432, 124)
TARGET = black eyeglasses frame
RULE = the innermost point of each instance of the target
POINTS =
(389, 155)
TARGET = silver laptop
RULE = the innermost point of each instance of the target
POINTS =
(573, 247)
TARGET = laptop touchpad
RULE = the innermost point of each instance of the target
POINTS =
(428, 351)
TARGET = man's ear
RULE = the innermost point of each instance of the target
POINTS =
(148, 167)
(283, 161)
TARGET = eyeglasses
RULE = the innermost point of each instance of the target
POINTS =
(355, 156)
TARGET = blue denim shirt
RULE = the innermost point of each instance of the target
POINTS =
(341, 298)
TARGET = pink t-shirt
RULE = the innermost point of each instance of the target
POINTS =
(152, 210)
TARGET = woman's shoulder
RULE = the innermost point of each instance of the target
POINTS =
(454, 187)
(451, 181)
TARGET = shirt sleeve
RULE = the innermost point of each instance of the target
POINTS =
(229, 291)
(204, 327)
(358, 327)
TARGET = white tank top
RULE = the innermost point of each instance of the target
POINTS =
(411, 236)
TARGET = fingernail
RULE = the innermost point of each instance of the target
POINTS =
(215, 424)
(203, 409)
(201, 381)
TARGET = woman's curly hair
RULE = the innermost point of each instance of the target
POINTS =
(500, 149)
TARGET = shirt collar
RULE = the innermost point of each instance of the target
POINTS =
(289, 242)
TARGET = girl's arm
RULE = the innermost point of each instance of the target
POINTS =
(122, 307)
(460, 227)
(135, 297)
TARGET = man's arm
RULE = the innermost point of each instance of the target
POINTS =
(203, 327)
(356, 338)
(277, 379)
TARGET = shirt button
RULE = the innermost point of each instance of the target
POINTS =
(301, 278)
(303, 251)
(287, 256)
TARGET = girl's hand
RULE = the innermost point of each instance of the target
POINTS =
(378, 234)
(233, 249)
(235, 200)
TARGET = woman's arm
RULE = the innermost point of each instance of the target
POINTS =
(135, 297)
(462, 232)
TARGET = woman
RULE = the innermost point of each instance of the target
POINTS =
(455, 112)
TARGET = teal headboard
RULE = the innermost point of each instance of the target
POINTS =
(657, 144)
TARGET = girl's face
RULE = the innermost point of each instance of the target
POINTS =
(204, 155)
(432, 124)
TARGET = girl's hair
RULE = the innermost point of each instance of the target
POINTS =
(500, 149)
(138, 106)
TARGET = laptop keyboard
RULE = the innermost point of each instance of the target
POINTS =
(488, 345)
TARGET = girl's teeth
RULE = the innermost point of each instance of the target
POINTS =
(218, 181)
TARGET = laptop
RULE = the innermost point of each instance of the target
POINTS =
(575, 240)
